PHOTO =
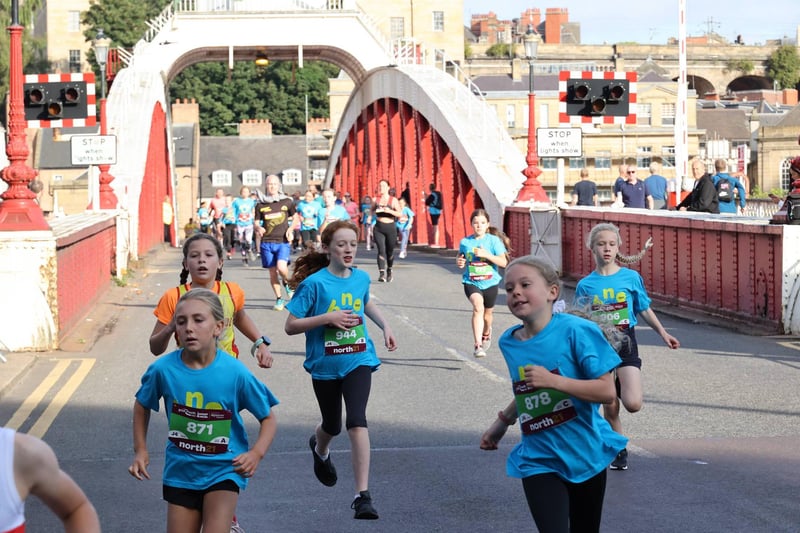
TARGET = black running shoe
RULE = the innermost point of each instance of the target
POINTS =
(621, 461)
(324, 470)
(363, 507)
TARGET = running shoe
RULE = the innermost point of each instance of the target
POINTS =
(382, 277)
(364, 510)
(289, 292)
(479, 352)
(324, 470)
(621, 461)
(486, 340)
(280, 303)
(389, 276)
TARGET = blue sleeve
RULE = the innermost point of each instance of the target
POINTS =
(742, 193)
(641, 301)
(596, 356)
(149, 394)
(255, 397)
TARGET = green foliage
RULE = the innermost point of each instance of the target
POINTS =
(276, 92)
(757, 193)
(467, 50)
(34, 60)
(783, 66)
(744, 66)
(498, 50)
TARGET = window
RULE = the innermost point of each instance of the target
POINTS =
(577, 162)
(74, 21)
(644, 156)
(667, 114)
(602, 159)
(511, 112)
(397, 27)
(668, 156)
(786, 177)
(549, 163)
(643, 112)
(438, 21)
(74, 60)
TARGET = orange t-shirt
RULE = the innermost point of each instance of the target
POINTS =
(232, 298)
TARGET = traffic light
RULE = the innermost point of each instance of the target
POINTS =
(55, 100)
(598, 97)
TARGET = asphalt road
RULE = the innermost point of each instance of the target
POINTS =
(715, 449)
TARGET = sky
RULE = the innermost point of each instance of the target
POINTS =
(655, 21)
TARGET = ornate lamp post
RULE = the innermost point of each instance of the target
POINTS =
(19, 210)
(108, 200)
(532, 190)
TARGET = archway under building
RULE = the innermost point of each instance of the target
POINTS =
(750, 83)
(701, 85)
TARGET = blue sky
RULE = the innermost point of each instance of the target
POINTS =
(655, 21)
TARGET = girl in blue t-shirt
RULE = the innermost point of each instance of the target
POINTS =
(207, 460)
(560, 367)
(330, 302)
(617, 295)
(483, 254)
(404, 224)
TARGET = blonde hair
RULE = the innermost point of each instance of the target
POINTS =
(545, 269)
(591, 240)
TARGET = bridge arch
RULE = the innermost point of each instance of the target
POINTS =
(750, 83)
(417, 125)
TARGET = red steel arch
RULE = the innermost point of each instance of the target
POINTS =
(391, 140)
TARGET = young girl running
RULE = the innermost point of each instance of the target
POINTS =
(560, 367)
(207, 460)
(329, 305)
(617, 295)
(202, 260)
(483, 253)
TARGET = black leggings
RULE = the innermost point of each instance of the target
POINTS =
(354, 388)
(385, 236)
(558, 506)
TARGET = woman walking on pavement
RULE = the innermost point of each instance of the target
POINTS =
(330, 302)
(617, 295)
(386, 212)
(483, 254)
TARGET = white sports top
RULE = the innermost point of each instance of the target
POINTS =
(12, 508)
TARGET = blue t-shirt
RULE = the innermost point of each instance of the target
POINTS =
(243, 209)
(226, 384)
(337, 212)
(332, 353)
(656, 186)
(482, 274)
(561, 434)
(406, 219)
(309, 214)
(620, 296)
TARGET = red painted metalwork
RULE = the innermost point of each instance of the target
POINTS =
(108, 200)
(720, 268)
(155, 185)
(19, 210)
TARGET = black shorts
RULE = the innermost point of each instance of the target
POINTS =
(435, 220)
(629, 352)
(193, 499)
(489, 295)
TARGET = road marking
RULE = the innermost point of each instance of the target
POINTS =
(35, 398)
(794, 345)
(62, 397)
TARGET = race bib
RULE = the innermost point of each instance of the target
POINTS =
(346, 341)
(615, 314)
(540, 409)
(201, 431)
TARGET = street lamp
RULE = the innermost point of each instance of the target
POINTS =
(18, 210)
(101, 43)
(532, 189)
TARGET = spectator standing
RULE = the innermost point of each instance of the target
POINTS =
(656, 185)
(631, 192)
(725, 184)
(434, 204)
(703, 197)
(585, 190)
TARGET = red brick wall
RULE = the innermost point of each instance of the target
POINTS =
(85, 265)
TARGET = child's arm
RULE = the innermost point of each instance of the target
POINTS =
(652, 320)
(505, 418)
(342, 319)
(141, 459)
(600, 390)
(248, 327)
(374, 314)
(159, 338)
(499, 260)
(246, 463)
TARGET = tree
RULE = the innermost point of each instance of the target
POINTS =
(783, 66)
(498, 50)
(33, 56)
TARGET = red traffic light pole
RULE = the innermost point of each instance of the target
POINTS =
(19, 210)
(532, 190)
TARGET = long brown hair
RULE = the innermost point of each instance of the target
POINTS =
(312, 260)
(493, 230)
